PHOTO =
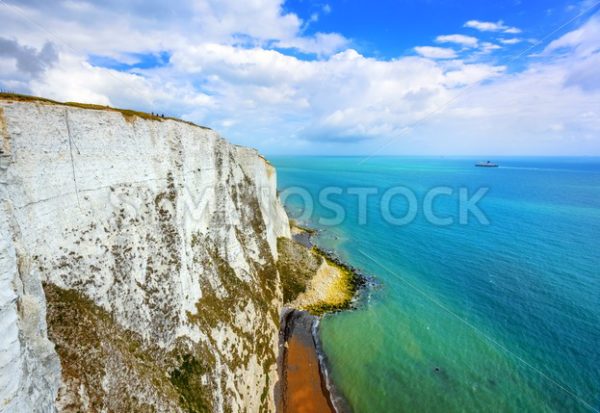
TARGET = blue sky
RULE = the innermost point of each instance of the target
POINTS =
(327, 77)
(389, 29)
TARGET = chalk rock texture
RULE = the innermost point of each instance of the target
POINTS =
(137, 264)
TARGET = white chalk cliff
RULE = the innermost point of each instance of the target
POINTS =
(137, 264)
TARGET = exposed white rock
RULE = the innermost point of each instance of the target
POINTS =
(135, 215)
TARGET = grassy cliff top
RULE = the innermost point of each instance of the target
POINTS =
(128, 114)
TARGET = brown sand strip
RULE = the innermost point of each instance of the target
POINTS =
(302, 388)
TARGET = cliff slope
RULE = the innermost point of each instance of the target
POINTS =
(137, 264)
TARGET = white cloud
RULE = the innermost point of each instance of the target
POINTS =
(74, 80)
(498, 26)
(81, 26)
(512, 30)
(519, 114)
(513, 40)
(470, 74)
(434, 52)
(487, 47)
(583, 41)
(320, 43)
(461, 39)
(230, 77)
(346, 97)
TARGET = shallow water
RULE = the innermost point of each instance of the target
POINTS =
(498, 317)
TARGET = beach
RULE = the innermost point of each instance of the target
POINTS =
(302, 388)
(318, 282)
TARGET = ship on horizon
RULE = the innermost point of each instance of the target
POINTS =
(487, 164)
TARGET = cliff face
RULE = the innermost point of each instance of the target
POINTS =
(137, 264)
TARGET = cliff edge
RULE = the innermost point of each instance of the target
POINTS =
(137, 264)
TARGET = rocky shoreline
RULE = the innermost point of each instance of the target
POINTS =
(305, 385)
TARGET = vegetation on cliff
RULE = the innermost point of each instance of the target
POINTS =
(114, 369)
(312, 279)
(155, 299)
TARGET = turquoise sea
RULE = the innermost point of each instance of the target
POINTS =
(503, 317)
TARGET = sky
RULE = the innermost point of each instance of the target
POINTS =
(326, 77)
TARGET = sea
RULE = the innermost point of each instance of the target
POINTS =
(484, 283)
